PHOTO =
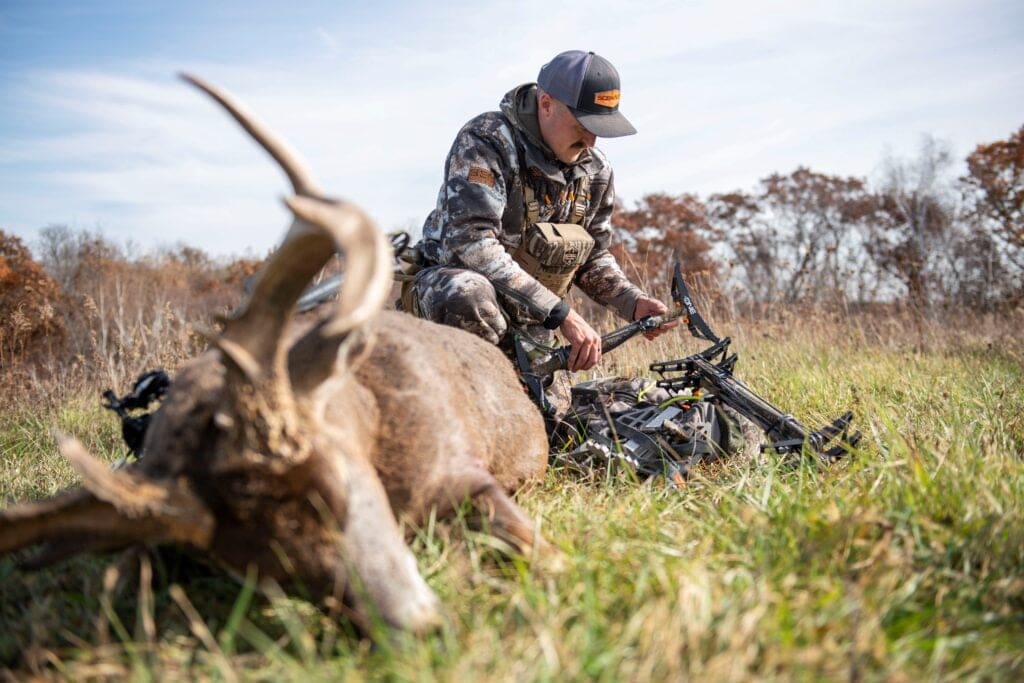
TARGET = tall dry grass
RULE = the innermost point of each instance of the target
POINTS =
(98, 317)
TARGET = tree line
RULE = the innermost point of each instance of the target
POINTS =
(916, 236)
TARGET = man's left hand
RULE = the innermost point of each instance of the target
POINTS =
(646, 306)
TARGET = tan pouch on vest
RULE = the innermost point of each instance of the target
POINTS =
(552, 253)
(410, 262)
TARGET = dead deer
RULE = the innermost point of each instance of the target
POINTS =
(292, 446)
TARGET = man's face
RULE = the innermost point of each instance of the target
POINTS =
(561, 131)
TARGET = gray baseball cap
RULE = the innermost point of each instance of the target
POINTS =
(588, 85)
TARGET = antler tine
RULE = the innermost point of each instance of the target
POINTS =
(253, 338)
(368, 273)
(366, 286)
(167, 506)
(292, 164)
(114, 509)
(30, 523)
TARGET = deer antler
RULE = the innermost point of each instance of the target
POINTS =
(290, 162)
(367, 283)
(253, 338)
(368, 273)
(115, 509)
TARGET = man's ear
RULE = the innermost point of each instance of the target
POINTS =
(545, 104)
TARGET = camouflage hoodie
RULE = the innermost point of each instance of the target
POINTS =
(480, 210)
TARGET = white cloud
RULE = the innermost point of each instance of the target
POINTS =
(722, 93)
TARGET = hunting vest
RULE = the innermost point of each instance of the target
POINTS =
(551, 253)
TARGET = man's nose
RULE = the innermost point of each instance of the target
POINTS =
(589, 139)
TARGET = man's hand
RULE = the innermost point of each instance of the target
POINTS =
(646, 306)
(585, 342)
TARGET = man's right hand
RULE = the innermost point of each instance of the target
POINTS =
(584, 340)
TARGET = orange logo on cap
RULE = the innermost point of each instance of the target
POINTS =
(607, 98)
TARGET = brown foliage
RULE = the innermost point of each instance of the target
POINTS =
(29, 298)
(941, 253)
(798, 237)
(659, 232)
(994, 189)
(116, 317)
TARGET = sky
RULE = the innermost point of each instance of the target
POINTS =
(97, 133)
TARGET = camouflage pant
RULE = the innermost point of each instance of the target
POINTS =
(467, 300)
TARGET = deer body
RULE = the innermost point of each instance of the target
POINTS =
(447, 420)
(297, 446)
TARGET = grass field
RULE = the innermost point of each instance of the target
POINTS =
(904, 562)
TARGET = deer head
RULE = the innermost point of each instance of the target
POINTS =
(240, 463)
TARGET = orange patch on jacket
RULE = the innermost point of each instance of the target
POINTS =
(479, 174)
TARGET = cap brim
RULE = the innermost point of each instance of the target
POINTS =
(610, 125)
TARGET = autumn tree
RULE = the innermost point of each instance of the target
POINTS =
(799, 238)
(660, 231)
(29, 300)
(996, 176)
(914, 236)
(976, 273)
(993, 191)
(753, 249)
(125, 312)
(77, 259)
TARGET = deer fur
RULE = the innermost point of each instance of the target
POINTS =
(297, 446)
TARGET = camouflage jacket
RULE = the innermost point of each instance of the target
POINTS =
(480, 212)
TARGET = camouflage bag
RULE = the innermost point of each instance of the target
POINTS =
(553, 252)
(631, 423)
